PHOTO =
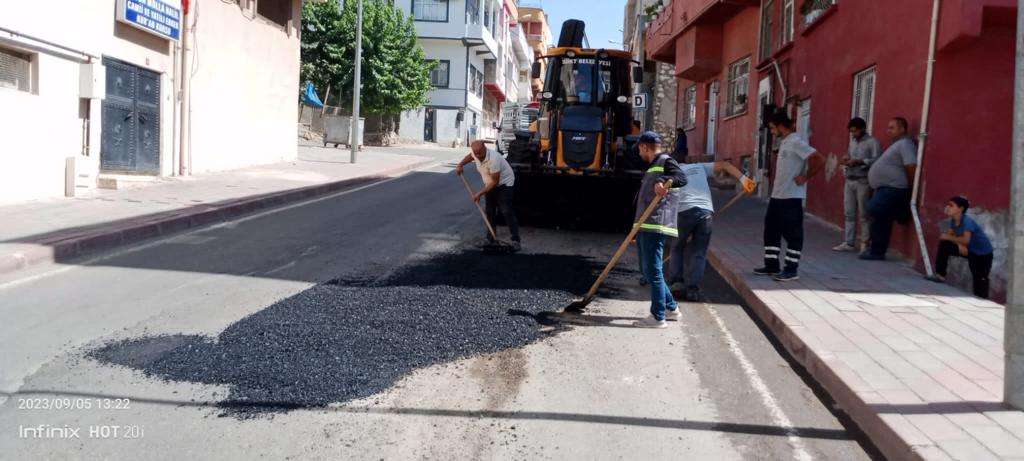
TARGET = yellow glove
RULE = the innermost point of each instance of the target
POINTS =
(749, 185)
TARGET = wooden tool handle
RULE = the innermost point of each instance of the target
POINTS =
(478, 207)
(625, 243)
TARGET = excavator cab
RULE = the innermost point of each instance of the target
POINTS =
(574, 166)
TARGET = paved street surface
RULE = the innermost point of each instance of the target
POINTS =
(271, 286)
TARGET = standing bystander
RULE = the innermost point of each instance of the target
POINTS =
(864, 150)
(890, 177)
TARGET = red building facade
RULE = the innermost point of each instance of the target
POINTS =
(827, 61)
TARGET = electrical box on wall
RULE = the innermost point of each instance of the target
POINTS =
(92, 81)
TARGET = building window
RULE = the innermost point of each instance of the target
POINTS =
(480, 84)
(814, 9)
(430, 10)
(473, 11)
(690, 107)
(788, 10)
(864, 95)
(487, 14)
(276, 11)
(15, 70)
(439, 76)
(766, 30)
(739, 85)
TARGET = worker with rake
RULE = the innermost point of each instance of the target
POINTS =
(499, 181)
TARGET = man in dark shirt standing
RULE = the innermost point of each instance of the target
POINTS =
(864, 150)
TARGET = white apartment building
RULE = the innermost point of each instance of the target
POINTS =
(479, 64)
(103, 91)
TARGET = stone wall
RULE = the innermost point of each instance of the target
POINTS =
(664, 104)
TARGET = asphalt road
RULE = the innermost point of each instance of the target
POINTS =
(364, 325)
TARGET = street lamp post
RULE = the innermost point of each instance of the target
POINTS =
(357, 83)
(1013, 335)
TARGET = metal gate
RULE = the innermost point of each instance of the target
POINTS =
(131, 119)
(429, 122)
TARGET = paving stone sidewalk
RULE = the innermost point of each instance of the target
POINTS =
(918, 365)
(55, 230)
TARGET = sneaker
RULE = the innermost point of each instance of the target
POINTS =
(786, 276)
(844, 247)
(766, 271)
(871, 257)
(677, 287)
(642, 281)
(694, 295)
(675, 315)
(650, 322)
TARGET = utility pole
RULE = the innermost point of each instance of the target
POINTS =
(1013, 336)
(356, 86)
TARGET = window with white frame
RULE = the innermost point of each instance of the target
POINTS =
(439, 76)
(788, 10)
(479, 84)
(473, 11)
(766, 29)
(864, 95)
(15, 70)
(430, 10)
(690, 107)
(739, 86)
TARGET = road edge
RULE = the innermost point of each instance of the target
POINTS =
(72, 244)
(881, 434)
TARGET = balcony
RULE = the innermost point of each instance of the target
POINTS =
(524, 54)
(688, 33)
(481, 41)
(964, 21)
(494, 80)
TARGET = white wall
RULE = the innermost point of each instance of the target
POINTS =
(454, 28)
(244, 93)
(453, 51)
(245, 89)
(41, 129)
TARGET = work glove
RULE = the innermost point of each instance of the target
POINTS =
(749, 185)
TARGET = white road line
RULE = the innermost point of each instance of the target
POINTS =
(779, 417)
(163, 240)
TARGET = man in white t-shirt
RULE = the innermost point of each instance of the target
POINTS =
(797, 163)
(499, 181)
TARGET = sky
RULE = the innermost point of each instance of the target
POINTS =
(603, 17)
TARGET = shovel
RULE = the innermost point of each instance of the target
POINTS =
(496, 246)
(579, 305)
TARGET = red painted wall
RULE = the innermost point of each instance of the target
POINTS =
(734, 135)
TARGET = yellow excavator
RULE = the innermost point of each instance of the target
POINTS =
(576, 166)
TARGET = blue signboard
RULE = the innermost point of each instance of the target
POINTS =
(153, 16)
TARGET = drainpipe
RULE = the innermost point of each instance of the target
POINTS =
(1013, 384)
(184, 141)
(914, 199)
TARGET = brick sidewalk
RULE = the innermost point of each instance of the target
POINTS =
(917, 365)
(55, 230)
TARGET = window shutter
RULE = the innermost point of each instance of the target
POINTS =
(869, 98)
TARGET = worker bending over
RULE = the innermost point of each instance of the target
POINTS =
(499, 181)
(659, 226)
(694, 221)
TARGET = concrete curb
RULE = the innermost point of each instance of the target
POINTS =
(888, 441)
(77, 242)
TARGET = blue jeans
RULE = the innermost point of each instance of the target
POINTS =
(651, 247)
(695, 222)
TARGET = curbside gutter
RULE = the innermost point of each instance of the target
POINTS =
(882, 435)
(77, 242)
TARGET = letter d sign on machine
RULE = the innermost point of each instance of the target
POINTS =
(640, 101)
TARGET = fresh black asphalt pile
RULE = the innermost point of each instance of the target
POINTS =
(351, 338)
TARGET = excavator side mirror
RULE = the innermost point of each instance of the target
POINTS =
(535, 70)
(638, 75)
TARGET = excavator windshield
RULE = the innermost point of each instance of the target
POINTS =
(583, 80)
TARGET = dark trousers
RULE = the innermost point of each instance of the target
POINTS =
(695, 222)
(500, 199)
(981, 266)
(784, 220)
(888, 205)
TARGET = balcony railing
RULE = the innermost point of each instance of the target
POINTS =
(811, 10)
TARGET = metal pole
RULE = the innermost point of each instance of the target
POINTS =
(1013, 336)
(915, 195)
(354, 141)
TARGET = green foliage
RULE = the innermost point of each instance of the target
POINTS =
(395, 73)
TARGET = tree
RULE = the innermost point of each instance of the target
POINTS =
(395, 73)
